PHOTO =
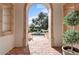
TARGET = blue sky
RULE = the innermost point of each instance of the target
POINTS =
(35, 9)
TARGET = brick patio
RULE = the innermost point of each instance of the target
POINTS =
(40, 45)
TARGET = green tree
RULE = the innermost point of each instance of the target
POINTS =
(41, 21)
(32, 28)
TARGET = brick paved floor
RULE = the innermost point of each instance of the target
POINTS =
(39, 45)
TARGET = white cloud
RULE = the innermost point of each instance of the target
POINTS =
(45, 10)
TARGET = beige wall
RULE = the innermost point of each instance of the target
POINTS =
(18, 24)
(6, 43)
(57, 20)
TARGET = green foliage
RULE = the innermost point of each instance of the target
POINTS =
(71, 36)
(41, 21)
(72, 18)
(32, 28)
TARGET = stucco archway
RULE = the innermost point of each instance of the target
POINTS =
(50, 23)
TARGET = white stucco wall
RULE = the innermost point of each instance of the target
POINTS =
(6, 44)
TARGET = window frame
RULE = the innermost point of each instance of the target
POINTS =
(10, 20)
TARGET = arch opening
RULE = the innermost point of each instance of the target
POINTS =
(26, 24)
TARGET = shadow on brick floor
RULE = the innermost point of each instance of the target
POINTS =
(19, 51)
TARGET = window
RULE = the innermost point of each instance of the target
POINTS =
(6, 20)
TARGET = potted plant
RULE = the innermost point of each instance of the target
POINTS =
(71, 36)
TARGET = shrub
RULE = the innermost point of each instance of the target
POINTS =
(72, 18)
(71, 36)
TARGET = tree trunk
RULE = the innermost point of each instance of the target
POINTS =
(72, 42)
(72, 47)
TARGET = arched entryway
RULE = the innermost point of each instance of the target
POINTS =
(50, 22)
(33, 44)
